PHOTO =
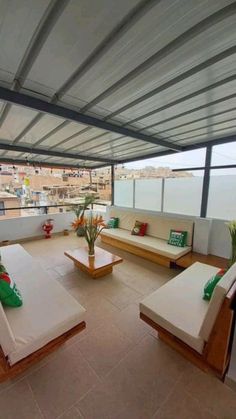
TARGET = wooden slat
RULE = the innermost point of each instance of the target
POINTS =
(217, 350)
(187, 260)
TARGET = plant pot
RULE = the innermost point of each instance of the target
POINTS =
(91, 251)
(80, 231)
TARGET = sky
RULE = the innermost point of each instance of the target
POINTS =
(222, 154)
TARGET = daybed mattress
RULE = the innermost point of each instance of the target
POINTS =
(48, 309)
(152, 244)
(178, 305)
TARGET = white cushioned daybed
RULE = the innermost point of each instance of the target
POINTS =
(153, 245)
(48, 310)
(178, 309)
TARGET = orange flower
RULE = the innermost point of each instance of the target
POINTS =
(78, 223)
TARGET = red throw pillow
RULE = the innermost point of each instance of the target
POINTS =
(139, 229)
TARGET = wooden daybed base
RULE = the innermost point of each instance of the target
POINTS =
(217, 351)
(8, 371)
(138, 251)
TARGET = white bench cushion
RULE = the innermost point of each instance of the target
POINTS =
(48, 309)
(7, 340)
(216, 301)
(158, 225)
(178, 306)
(152, 244)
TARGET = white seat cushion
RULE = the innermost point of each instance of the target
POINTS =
(152, 244)
(158, 225)
(178, 306)
(48, 309)
(216, 301)
(7, 340)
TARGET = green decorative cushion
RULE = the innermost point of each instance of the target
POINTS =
(211, 284)
(178, 238)
(9, 294)
(113, 222)
(139, 229)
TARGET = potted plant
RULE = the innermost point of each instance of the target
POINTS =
(232, 230)
(79, 211)
(92, 225)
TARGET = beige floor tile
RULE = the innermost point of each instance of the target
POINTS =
(72, 413)
(130, 390)
(182, 405)
(211, 393)
(129, 322)
(104, 348)
(71, 279)
(53, 273)
(59, 384)
(98, 309)
(18, 402)
(65, 268)
(112, 398)
(119, 294)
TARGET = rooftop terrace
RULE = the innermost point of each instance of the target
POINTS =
(117, 367)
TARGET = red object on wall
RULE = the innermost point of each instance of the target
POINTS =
(48, 227)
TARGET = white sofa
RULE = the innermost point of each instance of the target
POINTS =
(153, 245)
(178, 307)
(48, 310)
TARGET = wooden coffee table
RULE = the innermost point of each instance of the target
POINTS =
(99, 265)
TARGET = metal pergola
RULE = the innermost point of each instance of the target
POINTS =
(97, 83)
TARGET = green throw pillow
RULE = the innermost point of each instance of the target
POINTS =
(9, 294)
(178, 238)
(113, 222)
(211, 284)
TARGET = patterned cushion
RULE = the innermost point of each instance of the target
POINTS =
(139, 228)
(9, 294)
(113, 222)
(178, 238)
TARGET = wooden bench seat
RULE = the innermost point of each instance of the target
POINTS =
(200, 330)
(48, 317)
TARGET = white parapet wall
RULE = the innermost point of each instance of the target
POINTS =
(26, 227)
(21, 228)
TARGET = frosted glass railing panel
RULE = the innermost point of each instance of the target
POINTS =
(222, 197)
(148, 194)
(183, 195)
(123, 193)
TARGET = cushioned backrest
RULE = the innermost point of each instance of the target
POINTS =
(158, 226)
(216, 301)
(7, 340)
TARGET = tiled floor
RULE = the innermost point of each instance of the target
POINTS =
(116, 368)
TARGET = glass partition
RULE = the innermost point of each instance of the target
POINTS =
(224, 154)
(222, 194)
(148, 194)
(123, 193)
(183, 195)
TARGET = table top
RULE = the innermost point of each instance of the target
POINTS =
(101, 259)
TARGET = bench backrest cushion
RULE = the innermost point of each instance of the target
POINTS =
(7, 340)
(158, 225)
(216, 301)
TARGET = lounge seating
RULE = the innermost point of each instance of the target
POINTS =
(153, 246)
(48, 317)
(199, 329)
